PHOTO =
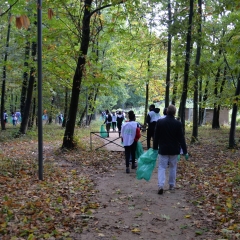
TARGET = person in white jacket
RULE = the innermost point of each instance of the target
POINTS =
(152, 117)
(114, 121)
(130, 134)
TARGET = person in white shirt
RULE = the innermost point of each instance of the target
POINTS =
(114, 121)
(152, 117)
(130, 134)
(164, 113)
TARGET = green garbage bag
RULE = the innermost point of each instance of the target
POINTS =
(103, 132)
(146, 164)
(139, 150)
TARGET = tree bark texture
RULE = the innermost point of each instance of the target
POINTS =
(5, 75)
(215, 120)
(25, 79)
(168, 76)
(187, 66)
(194, 137)
(234, 117)
(26, 113)
(68, 141)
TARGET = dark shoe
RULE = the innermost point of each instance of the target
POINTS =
(171, 188)
(160, 191)
(134, 166)
(127, 170)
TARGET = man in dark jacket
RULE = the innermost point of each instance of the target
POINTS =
(168, 140)
(152, 117)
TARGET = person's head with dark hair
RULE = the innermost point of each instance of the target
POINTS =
(131, 112)
(151, 107)
(119, 112)
(165, 111)
(131, 115)
(171, 110)
(107, 112)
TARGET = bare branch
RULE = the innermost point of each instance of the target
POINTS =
(106, 6)
(8, 8)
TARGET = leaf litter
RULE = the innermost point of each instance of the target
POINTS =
(61, 206)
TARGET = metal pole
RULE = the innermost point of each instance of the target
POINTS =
(39, 50)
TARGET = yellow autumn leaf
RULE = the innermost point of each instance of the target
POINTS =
(3, 225)
(187, 216)
(25, 219)
(136, 230)
(234, 226)
(229, 203)
(31, 237)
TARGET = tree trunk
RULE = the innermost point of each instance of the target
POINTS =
(33, 112)
(92, 105)
(174, 92)
(65, 108)
(204, 100)
(194, 137)
(5, 75)
(68, 141)
(82, 115)
(215, 120)
(187, 66)
(146, 105)
(147, 89)
(200, 116)
(27, 107)
(25, 118)
(168, 76)
(25, 79)
(234, 116)
(50, 115)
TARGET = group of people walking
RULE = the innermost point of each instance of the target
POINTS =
(115, 120)
(168, 141)
(15, 117)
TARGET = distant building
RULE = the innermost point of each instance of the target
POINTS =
(208, 116)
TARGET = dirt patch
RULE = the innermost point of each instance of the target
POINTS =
(132, 209)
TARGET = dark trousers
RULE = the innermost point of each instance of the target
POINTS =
(108, 125)
(114, 125)
(150, 133)
(130, 151)
(119, 126)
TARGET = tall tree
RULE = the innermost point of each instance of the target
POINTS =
(232, 142)
(169, 52)
(194, 137)
(68, 141)
(5, 73)
(187, 65)
(27, 107)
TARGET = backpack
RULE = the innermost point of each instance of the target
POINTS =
(120, 119)
(109, 118)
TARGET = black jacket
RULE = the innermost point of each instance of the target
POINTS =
(168, 136)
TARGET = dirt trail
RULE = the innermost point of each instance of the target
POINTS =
(132, 209)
